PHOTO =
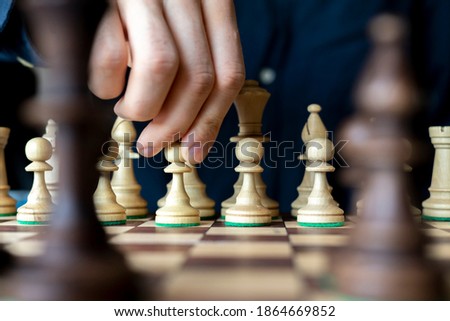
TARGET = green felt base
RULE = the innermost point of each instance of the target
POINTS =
(337, 224)
(135, 217)
(222, 217)
(121, 222)
(246, 224)
(207, 218)
(433, 218)
(176, 225)
(8, 214)
(32, 223)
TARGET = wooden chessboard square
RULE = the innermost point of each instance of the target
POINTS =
(241, 283)
(242, 250)
(10, 223)
(163, 238)
(26, 248)
(245, 238)
(439, 224)
(113, 230)
(266, 231)
(438, 251)
(318, 240)
(129, 248)
(170, 230)
(313, 263)
(136, 222)
(13, 237)
(436, 233)
(6, 218)
(156, 262)
(203, 224)
(315, 230)
(230, 262)
(14, 226)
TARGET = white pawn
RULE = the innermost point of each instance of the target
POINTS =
(38, 208)
(51, 177)
(321, 210)
(196, 191)
(124, 183)
(109, 212)
(248, 210)
(177, 210)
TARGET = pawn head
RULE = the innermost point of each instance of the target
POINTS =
(173, 153)
(38, 149)
(249, 150)
(319, 149)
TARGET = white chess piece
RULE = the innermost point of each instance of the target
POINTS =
(124, 183)
(109, 212)
(313, 128)
(51, 177)
(437, 206)
(248, 210)
(177, 210)
(38, 208)
(196, 191)
(321, 210)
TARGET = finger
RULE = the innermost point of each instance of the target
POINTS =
(154, 59)
(194, 80)
(109, 56)
(223, 35)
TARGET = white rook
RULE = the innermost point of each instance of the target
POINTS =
(437, 206)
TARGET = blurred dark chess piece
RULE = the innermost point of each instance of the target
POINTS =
(78, 263)
(385, 257)
(5, 259)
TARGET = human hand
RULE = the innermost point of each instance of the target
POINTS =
(186, 69)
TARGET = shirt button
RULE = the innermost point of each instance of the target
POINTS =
(267, 76)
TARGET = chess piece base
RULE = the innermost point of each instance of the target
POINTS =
(207, 213)
(169, 216)
(33, 218)
(136, 213)
(436, 210)
(112, 218)
(247, 216)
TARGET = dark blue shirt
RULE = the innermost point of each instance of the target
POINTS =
(311, 51)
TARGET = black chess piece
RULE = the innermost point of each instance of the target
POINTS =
(5, 259)
(385, 257)
(78, 263)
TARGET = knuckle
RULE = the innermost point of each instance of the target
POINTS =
(164, 63)
(202, 82)
(232, 78)
(110, 58)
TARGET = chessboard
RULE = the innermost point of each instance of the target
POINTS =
(283, 261)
